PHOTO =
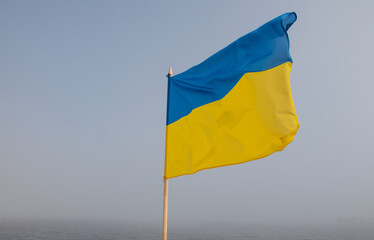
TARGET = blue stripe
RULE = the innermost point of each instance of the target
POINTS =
(211, 80)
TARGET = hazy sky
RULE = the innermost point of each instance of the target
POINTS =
(83, 107)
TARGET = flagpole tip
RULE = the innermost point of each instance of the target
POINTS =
(170, 73)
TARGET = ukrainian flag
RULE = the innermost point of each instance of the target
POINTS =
(234, 107)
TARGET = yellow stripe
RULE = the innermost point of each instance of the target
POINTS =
(256, 118)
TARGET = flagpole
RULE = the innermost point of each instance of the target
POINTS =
(165, 222)
(166, 193)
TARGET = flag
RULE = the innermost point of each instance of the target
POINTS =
(234, 107)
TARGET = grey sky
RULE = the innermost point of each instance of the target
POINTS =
(83, 100)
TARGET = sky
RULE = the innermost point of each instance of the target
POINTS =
(83, 111)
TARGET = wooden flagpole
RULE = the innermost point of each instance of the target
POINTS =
(165, 222)
(166, 194)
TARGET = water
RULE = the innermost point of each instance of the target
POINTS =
(52, 230)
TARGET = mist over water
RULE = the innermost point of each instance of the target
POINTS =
(93, 230)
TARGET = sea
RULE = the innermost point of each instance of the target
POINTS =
(81, 230)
